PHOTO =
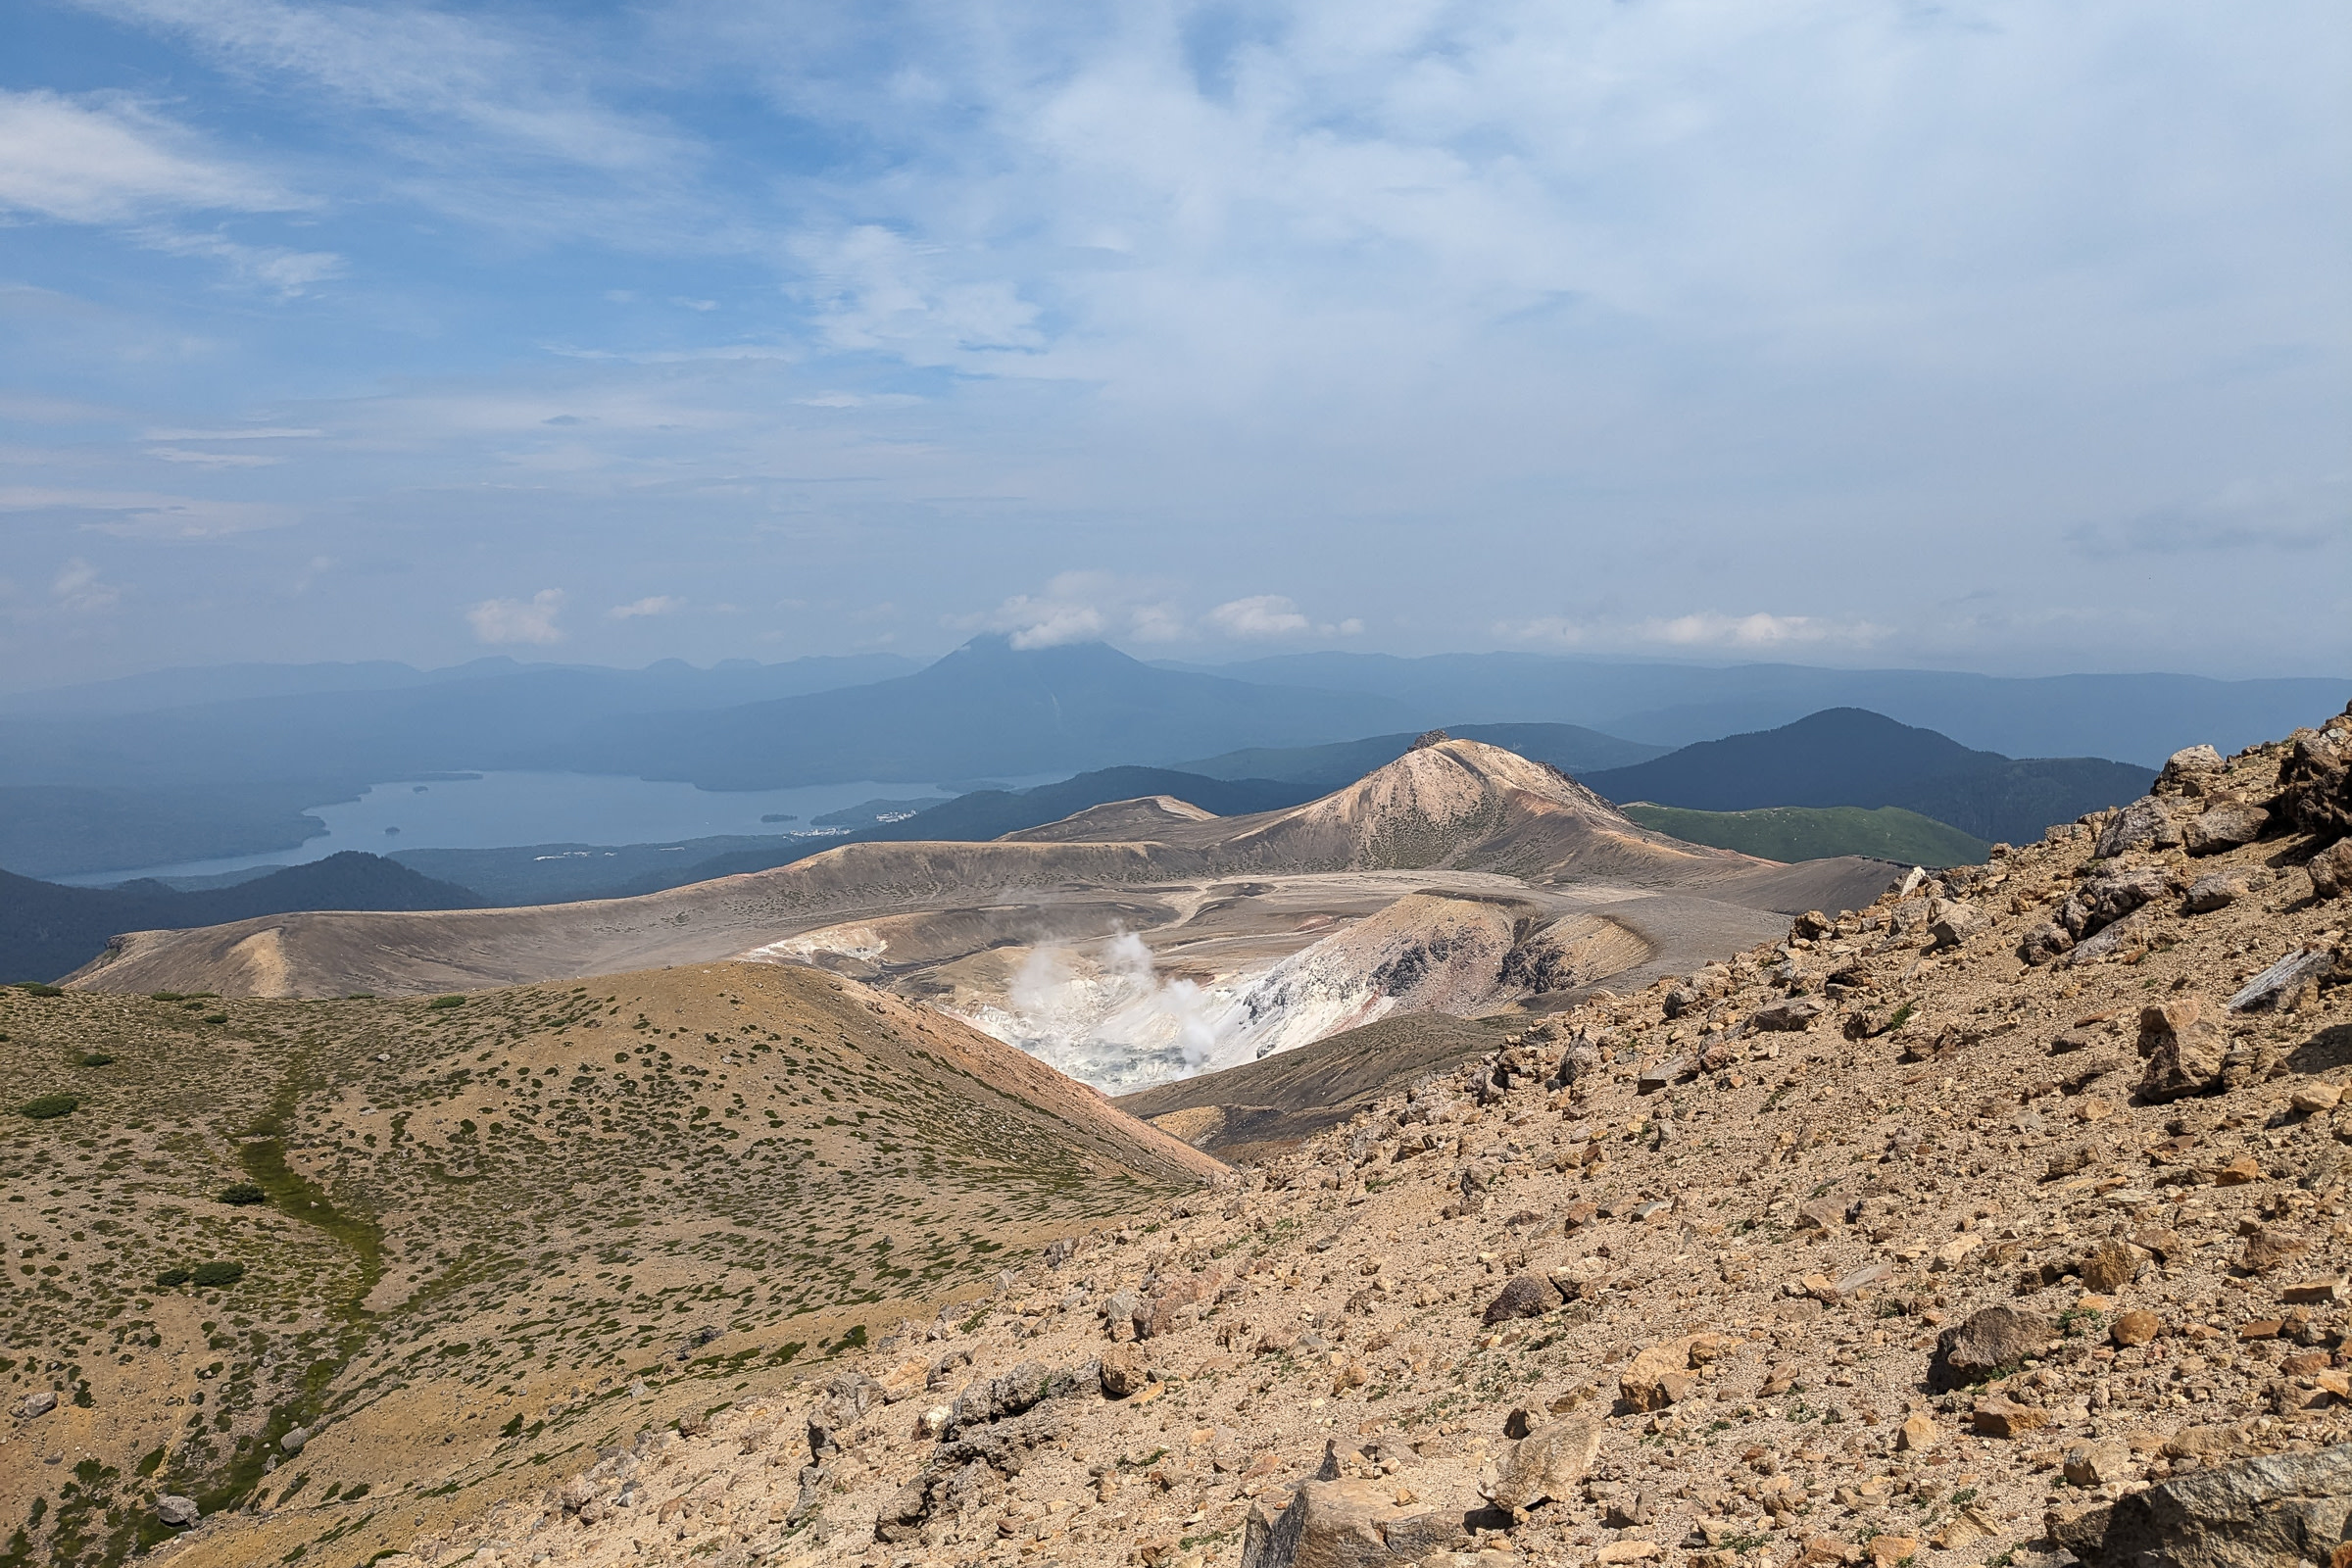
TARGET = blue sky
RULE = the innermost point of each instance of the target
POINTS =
(1997, 335)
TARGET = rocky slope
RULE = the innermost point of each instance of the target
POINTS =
(360, 1263)
(2001, 1220)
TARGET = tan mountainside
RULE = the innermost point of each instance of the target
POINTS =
(1999, 1223)
(476, 1229)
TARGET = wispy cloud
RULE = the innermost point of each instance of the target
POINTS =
(78, 589)
(519, 621)
(651, 605)
(109, 160)
(149, 515)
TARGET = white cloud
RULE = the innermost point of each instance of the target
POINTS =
(1708, 629)
(519, 621)
(651, 605)
(1267, 617)
(78, 590)
(106, 161)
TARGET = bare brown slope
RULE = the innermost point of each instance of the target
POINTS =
(1262, 1107)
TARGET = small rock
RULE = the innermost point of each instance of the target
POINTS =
(1526, 1296)
(2135, 1327)
(177, 1512)
(40, 1403)
(1790, 1016)
(2245, 1168)
(294, 1439)
(2269, 1248)
(1886, 1550)
(2003, 1418)
(1917, 1434)
(2316, 1097)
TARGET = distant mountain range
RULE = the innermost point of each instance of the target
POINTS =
(2140, 718)
(189, 764)
(1846, 757)
(46, 931)
(985, 708)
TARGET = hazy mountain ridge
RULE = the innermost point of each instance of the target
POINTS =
(47, 931)
(2139, 717)
(1850, 757)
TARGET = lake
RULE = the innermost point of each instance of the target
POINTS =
(492, 810)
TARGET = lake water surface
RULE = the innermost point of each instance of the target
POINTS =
(492, 810)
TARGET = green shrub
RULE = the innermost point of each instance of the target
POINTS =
(172, 1278)
(216, 1017)
(165, 996)
(243, 1193)
(355, 1494)
(96, 1059)
(447, 1002)
(207, 1275)
(49, 1107)
(33, 988)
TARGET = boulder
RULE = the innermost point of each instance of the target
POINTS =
(38, 1403)
(2042, 943)
(1791, 1015)
(1986, 1342)
(1950, 925)
(2110, 1267)
(1545, 1465)
(2224, 827)
(2315, 784)
(2184, 1049)
(2191, 771)
(2105, 900)
(2331, 870)
(2098, 1462)
(1344, 1524)
(2217, 890)
(2279, 985)
(1124, 1371)
(2268, 1512)
(1660, 1375)
(1526, 1296)
(2147, 824)
(177, 1512)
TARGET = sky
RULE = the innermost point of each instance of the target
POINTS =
(2004, 336)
